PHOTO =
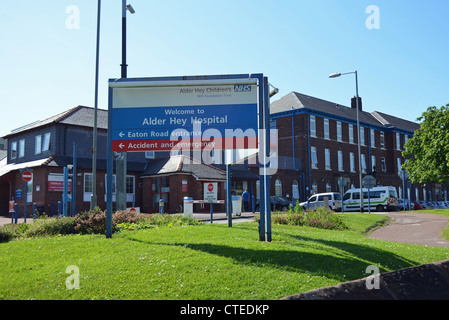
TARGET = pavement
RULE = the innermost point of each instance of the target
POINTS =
(413, 228)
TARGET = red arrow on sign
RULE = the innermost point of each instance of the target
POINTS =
(27, 176)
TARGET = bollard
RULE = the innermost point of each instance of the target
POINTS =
(254, 203)
(211, 212)
(59, 208)
(16, 209)
(34, 211)
(161, 206)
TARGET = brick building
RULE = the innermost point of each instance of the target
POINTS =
(46, 147)
(318, 149)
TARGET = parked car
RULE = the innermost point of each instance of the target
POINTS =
(277, 204)
(417, 205)
(405, 204)
(318, 200)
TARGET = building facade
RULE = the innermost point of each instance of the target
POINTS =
(320, 139)
(317, 151)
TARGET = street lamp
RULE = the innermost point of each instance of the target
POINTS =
(336, 75)
(122, 160)
(132, 11)
(93, 200)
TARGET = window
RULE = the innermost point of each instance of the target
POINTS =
(339, 135)
(363, 162)
(312, 126)
(14, 150)
(327, 159)
(22, 148)
(373, 163)
(352, 162)
(314, 158)
(149, 154)
(399, 166)
(398, 141)
(46, 143)
(314, 188)
(383, 165)
(38, 144)
(328, 187)
(88, 187)
(326, 128)
(130, 184)
(362, 136)
(373, 138)
(351, 133)
(382, 140)
(340, 160)
(278, 188)
(406, 137)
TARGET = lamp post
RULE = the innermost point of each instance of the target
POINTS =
(93, 199)
(122, 160)
(336, 75)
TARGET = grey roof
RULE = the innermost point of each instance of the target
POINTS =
(79, 116)
(392, 121)
(298, 101)
(186, 165)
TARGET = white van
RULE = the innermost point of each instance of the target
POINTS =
(379, 199)
(319, 200)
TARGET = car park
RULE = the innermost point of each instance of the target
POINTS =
(332, 199)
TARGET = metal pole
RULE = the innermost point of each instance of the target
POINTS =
(93, 199)
(358, 140)
(228, 194)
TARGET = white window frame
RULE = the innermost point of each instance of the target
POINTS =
(14, 150)
(339, 132)
(21, 152)
(312, 126)
(340, 161)
(326, 129)
(372, 138)
(46, 142)
(351, 162)
(373, 163)
(383, 164)
(351, 133)
(398, 141)
(38, 144)
(314, 157)
(382, 140)
(278, 188)
(87, 194)
(327, 159)
(363, 160)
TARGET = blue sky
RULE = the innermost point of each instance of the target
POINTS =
(48, 67)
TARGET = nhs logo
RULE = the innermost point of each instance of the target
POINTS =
(242, 88)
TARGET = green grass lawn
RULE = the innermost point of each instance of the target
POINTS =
(201, 262)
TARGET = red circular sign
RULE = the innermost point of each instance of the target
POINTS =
(27, 176)
(210, 187)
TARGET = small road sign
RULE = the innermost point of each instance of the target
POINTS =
(27, 176)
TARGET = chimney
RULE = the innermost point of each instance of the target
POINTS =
(354, 104)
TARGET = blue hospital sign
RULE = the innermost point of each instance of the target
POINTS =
(157, 115)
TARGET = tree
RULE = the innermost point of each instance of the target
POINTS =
(427, 153)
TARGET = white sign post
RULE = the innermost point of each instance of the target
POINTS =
(211, 192)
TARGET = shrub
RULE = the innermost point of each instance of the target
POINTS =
(321, 218)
